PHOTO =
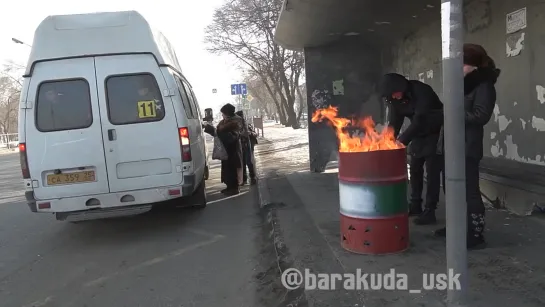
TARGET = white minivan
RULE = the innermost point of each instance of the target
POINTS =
(108, 124)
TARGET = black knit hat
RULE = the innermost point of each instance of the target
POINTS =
(239, 113)
(228, 109)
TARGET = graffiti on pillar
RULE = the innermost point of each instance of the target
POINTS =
(421, 77)
(514, 44)
(540, 90)
(338, 87)
(429, 74)
(320, 98)
(477, 15)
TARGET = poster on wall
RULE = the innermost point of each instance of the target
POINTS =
(516, 21)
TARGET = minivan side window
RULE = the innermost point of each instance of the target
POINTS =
(194, 103)
(134, 99)
(185, 98)
(63, 105)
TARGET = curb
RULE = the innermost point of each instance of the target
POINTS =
(262, 186)
(292, 297)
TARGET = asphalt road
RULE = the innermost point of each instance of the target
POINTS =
(176, 258)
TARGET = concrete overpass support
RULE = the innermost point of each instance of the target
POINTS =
(344, 74)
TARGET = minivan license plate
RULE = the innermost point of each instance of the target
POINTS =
(68, 178)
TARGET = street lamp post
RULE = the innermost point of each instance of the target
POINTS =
(452, 32)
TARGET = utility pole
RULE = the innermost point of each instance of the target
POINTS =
(454, 130)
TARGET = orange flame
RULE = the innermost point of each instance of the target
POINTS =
(370, 141)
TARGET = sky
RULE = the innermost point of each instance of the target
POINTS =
(181, 21)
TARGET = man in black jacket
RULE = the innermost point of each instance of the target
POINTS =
(418, 102)
(247, 156)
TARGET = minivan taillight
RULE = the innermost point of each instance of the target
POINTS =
(184, 143)
(24, 161)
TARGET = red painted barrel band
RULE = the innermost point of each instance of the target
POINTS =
(375, 236)
(373, 165)
(374, 181)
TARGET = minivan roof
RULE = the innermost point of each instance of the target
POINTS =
(65, 36)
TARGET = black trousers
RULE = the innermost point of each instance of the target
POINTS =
(247, 162)
(434, 166)
(474, 199)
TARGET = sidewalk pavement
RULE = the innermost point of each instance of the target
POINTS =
(305, 211)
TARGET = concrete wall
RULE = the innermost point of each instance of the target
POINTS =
(344, 74)
(516, 129)
(515, 133)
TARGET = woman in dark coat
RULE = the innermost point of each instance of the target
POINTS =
(480, 76)
(228, 131)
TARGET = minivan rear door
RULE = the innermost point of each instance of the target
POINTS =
(63, 131)
(141, 136)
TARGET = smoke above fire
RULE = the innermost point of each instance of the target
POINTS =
(371, 140)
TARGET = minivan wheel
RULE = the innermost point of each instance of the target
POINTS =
(200, 196)
(206, 173)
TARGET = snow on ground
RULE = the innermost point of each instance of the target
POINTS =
(290, 144)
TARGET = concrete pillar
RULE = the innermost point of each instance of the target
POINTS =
(343, 74)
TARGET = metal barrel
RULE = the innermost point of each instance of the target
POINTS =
(373, 201)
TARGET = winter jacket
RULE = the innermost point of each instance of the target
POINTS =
(479, 103)
(425, 111)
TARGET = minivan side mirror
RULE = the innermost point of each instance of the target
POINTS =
(208, 117)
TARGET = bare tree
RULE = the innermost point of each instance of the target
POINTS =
(301, 101)
(263, 102)
(244, 29)
(10, 90)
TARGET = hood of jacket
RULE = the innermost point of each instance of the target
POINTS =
(392, 83)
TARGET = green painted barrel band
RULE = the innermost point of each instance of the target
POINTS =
(368, 201)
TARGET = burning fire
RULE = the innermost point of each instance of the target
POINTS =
(370, 141)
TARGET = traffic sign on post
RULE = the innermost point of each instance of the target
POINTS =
(235, 89)
(239, 89)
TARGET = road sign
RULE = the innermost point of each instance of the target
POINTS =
(239, 89)
(249, 98)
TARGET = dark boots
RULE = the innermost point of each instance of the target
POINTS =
(230, 191)
(253, 181)
(426, 218)
(415, 209)
(475, 230)
(475, 225)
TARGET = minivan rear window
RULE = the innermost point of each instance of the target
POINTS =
(134, 99)
(63, 105)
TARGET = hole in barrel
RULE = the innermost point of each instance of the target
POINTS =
(367, 229)
(366, 243)
(344, 238)
(351, 227)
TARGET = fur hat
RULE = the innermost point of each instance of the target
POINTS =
(476, 55)
(228, 109)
